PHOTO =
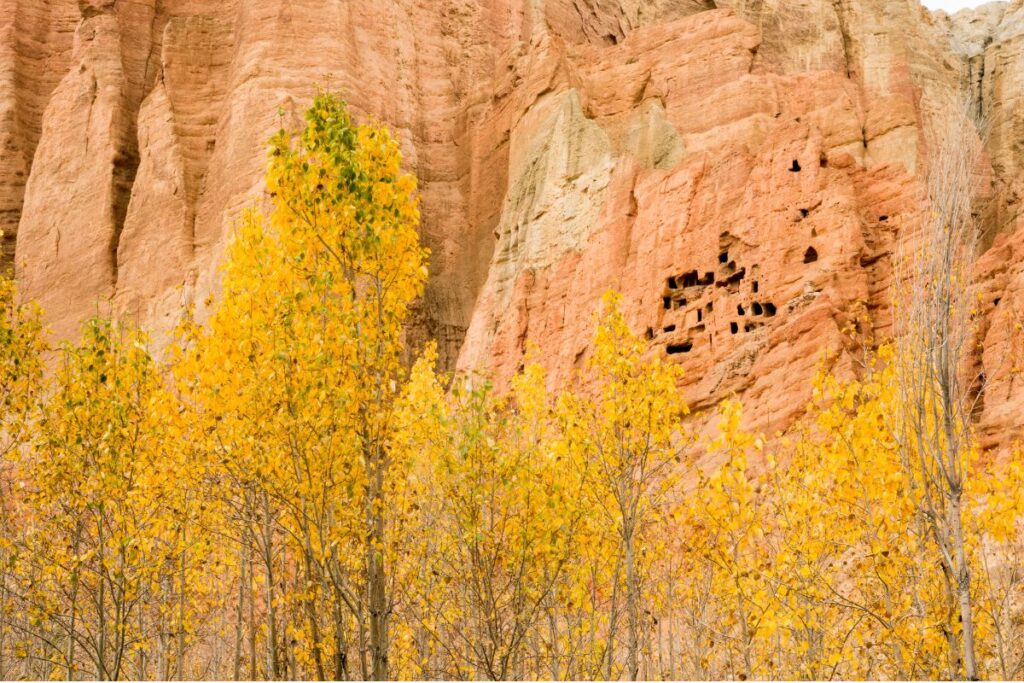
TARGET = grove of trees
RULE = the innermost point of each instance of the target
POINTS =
(291, 492)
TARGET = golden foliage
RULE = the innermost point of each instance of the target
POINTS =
(286, 495)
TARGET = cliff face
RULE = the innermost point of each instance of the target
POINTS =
(739, 169)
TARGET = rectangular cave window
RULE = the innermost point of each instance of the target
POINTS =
(734, 328)
(755, 287)
(739, 309)
(668, 303)
(709, 279)
(690, 279)
(883, 219)
(672, 284)
(723, 257)
(795, 168)
(758, 310)
(710, 307)
(769, 310)
(670, 328)
(649, 334)
(700, 315)
(674, 349)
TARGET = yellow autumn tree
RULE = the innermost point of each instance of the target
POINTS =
(298, 374)
(102, 544)
(21, 380)
(727, 597)
(500, 515)
(860, 593)
(624, 431)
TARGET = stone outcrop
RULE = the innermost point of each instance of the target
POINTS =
(739, 169)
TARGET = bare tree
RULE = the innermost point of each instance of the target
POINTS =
(938, 399)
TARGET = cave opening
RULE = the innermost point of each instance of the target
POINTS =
(811, 255)
(758, 310)
(769, 310)
(795, 168)
(685, 347)
(734, 327)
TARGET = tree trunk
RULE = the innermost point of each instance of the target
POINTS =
(273, 660)
(376, 579)
(632, 610)
(236, 669)
(963, 590)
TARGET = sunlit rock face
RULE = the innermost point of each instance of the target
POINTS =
(739, 169)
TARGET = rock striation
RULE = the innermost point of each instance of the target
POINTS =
(741, 170)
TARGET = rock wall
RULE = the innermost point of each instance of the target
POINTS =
(739, 169)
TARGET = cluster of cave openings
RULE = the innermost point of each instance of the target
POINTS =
(757, 309)
(688, 298)
(680, 291)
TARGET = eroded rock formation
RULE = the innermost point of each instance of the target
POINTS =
(739, 169)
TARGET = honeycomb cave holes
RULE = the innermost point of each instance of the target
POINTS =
(734, 327)
(795, 168)
(811, 255)
(757, 309)
(770, 310)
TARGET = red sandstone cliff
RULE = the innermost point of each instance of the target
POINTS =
(739, 169)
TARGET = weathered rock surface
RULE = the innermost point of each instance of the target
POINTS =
(739, 169)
